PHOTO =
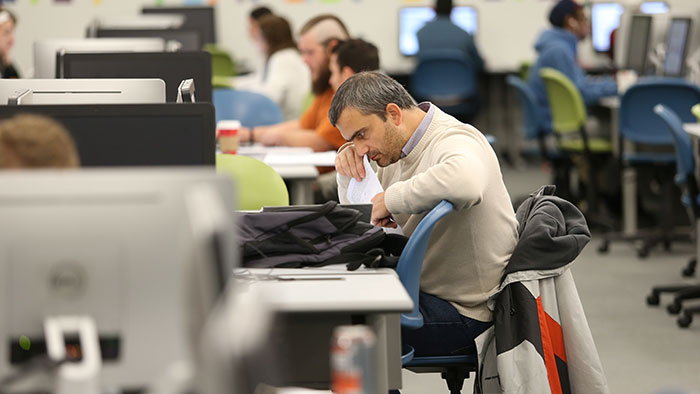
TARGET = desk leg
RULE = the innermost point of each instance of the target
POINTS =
(301, 192)
(387, 327)
(629, 201)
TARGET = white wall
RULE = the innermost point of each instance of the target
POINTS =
(507, 28)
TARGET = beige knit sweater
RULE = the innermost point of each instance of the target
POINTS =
(470, 247)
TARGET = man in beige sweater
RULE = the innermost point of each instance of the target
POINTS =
(425, 156)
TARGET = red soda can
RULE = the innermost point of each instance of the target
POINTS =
(353, 368)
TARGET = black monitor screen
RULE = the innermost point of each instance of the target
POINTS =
(605, 17)
(198, 18)
(638, 43)
(171, 67)
(189, 39)
(676, 45)
(134, 135)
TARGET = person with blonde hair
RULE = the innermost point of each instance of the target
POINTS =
(34, 141)
(8, 21)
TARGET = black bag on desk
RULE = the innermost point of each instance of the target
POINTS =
(312, 237)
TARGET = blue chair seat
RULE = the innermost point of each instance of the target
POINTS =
(685, 199)
(649, 158)
(441, 361)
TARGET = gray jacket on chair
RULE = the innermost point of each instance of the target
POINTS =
(540, 341)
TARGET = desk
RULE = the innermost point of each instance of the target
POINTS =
(629, 174)
(296, 165)
(312, 302)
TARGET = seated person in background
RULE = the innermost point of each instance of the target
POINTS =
(8, 21)
(426, 156)
(253, 18)
(347, 58)
(556, 48)
(33, 141)
(313, 128)
(441, 33)
(285, 79)
(350, 57)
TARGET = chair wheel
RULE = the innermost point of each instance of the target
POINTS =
(674, 308)
(642, 252)
(604, 247)
(688, 272)
(667, 245)
(684, 320)
(653, 299)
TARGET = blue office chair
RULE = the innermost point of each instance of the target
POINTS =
(454, 369)
(251, 109)
(448, 79)
(640, 125)
(533, 123)
(685, 177)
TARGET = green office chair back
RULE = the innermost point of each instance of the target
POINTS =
(565, 102)
(524, 70)
(696, 111)
(223, 66)
(257, 184)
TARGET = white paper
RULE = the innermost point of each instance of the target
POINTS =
(362, 192)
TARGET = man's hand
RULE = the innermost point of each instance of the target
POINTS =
(244, 134)
(348, 163)
(269, 136)
(380, 215)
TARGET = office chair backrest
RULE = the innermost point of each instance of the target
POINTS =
(411, 260)
(257, 184)
(685, 162)
(221, 62)
(444, 76)
(251, 109)
(528, 104)
(637, 120)
(696, 111)
(565, 101)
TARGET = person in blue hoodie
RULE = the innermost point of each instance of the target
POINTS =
(556, 48)
(441, 33)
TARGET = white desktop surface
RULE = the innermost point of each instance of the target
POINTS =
(317, 296)
(693, 129)
(331, 290)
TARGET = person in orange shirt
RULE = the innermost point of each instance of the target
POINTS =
(313, 129)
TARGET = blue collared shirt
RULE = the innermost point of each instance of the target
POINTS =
(429, 109)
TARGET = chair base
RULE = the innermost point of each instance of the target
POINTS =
(686, 316)
(645, 240)
(454, 369)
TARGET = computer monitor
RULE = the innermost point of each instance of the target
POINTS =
(186, 39)
(638, 43)
(676, 46)
(654, 7)
(197, 18)
(141, 22)
(411, 19)
(134, 134)
(84, 91)
(605, 17)
(118, 246)
(45, 50)
(172, 67)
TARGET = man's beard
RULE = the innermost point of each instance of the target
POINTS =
(321, 84)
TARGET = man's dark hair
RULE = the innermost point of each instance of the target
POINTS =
(369, 92)
(357, 54)
(259, 12)
(562, 10)
(443, 7)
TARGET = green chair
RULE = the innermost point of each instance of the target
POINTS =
(568, 123)
(696, 111)
(223, 66)
(524, 70)
(258, 185)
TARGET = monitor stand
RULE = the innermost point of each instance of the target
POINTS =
(80, 377)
